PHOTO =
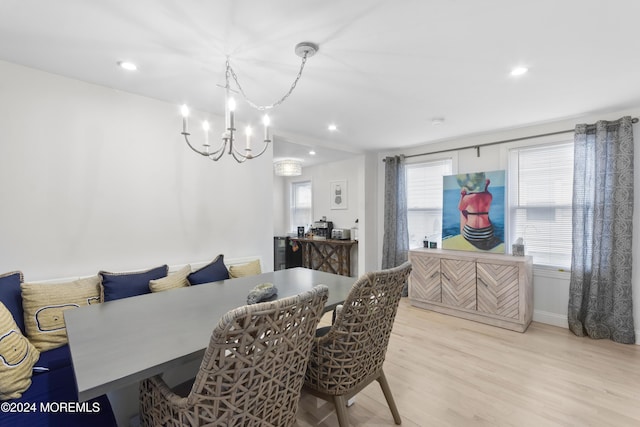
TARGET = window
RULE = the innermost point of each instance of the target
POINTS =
(300, 215)
(541, 187)
(424, 200)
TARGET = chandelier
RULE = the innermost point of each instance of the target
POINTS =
(228, 144)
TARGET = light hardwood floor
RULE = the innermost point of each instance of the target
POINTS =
(446, 371)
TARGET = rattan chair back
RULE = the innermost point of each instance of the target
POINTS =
(252, 371)
(351, 354)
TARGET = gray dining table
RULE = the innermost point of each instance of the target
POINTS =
(121, 342)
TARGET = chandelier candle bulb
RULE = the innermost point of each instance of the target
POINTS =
(232, 109)
(205, 126)
(247, 131)
(185, 113)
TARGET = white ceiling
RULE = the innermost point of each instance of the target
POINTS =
(384, 69)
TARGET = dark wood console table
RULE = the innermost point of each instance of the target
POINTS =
(332, 256)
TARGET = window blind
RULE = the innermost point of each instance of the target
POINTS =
(424, 200)
(540, 201)
(300, 214)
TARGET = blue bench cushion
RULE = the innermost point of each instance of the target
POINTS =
(50, 390)
(55, 359)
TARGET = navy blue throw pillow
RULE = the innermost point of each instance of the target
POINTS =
(124, 285)
(212, 272)
(11, 296)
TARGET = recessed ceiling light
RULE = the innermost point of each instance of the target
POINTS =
(312, 153)
(130, 66)
(332, 127)
(518, 71)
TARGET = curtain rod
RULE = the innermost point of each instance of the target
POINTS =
(504, 141)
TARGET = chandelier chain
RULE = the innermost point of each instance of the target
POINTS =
(275, 104)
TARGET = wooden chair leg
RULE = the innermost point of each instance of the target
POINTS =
(341, 410)
(382, 380)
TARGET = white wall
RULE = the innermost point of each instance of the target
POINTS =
(551, 287)
(322, 176)
(92, 178)
(280, 206)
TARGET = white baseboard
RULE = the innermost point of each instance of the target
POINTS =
(561, 321)
(548, 318)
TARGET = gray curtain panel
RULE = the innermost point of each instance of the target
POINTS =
(395, 244)
(600, 303)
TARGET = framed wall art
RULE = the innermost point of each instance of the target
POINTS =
(473, 212)
(338, 194)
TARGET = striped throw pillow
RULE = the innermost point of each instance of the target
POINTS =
(242, 270)
(17, 357)
(44, 305)
(172, 281)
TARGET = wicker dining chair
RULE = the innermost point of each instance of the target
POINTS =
(349, 356)
(252, 371)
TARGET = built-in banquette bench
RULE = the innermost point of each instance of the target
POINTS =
(37, 382)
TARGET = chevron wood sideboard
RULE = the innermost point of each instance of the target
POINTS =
(489, 288)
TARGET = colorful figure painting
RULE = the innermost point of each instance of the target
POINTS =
(474, 211)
